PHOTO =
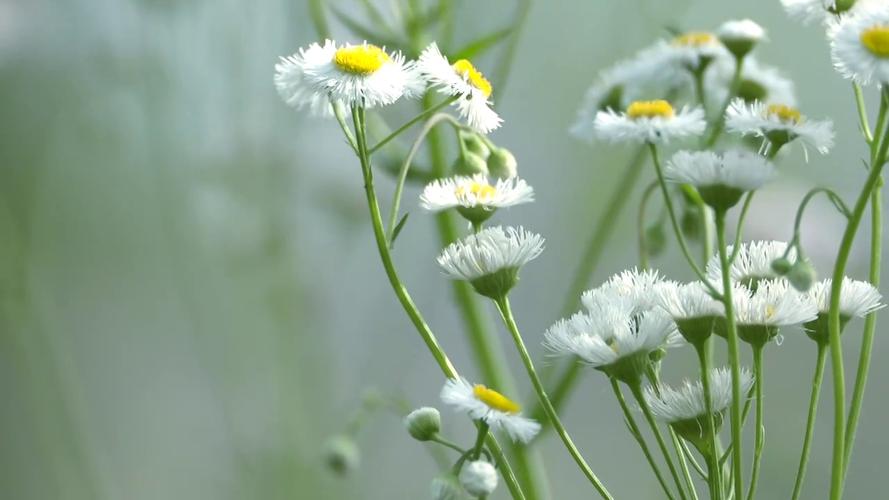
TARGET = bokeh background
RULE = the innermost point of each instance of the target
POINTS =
(190, 302)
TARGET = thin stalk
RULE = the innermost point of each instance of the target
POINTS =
(421, 116)
(319, 18)
(683, 465)
(820, 361)
(509, 321)
(713, 456)
(636, 389)
(447, 444)
(404, 297)
(760, 429)
(863, 121)
(634, 429)
(640, 224)
(736, 247)
(733, 354)
(720, 118)
(694, 463)
(836, 348)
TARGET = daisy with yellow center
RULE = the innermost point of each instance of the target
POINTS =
(356, 75)
(779, 123)
(692, 51)
(860, 44)
(773, 305)
(463, 80)
(649, 121)
(475, 197)
(484, 404)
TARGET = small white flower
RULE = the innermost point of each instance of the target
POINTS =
(753, 263)
(735, 169)
(809, 10)
(296, 90)
(464, 80)
(774, 303)
(632, 290)
(692, 51)
(860, 44)
(687, 300)
(488, 405)
(778, 123)
(479, 478)
(687, 402)
(857, 298)
(360, 75)
(649, 121)
(604, 337)
(759, 82)
(741, 30)
(476, 191)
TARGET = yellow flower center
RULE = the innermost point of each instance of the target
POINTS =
(495, 400)
(695, 39)
(876, 39)
(650, 109)
(787, 114)
(482, 192)
(770, 311)
(465, 69)
(360, 59)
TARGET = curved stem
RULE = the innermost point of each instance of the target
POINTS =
(426, 112)
(634, 429)
(760, 428)
(509, 320)
(714, 474)
(683, 465)
(820, 361)
(734, 356)
(636, 389)
(404, 297)
(736, 247)
(863, 121)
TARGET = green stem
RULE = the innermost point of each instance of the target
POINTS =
(736, 247)
(720, 118)
(760, 429)
(820, 361)
(509, 321)
(636, 389)
(683, 465)
(447, 444)
(713, 456)
(634, 429)
(734, 356)
(640, 224)
(863, 120)
(421, 116)
(479, 440)
(404, 297)
(319, 18)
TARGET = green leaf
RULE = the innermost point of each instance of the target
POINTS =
(479, 45)
(398, 228)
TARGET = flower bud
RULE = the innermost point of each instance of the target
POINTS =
(841, 6)
(801, 275)
(423, 423)
(655, 240)
(691, 224)
(782, 266)
(474, 144)
(478, 478)
(341, 454)
(502, 164)
(446, 487)
(469, 164)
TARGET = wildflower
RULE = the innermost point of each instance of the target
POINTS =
(490, 260)
(474, 197)
(341, 454)
(692, 51)
(720, 179)
(491, 407)
(423, 424)
(752, 264)
(479, 478)
(857, 300)
(779, 123)
(649, 121)
(860, 44)
(461, 79)
(633, 289)
(774, 304)
(808, 11)
(740, 36)
(696, 313)
(356, 75)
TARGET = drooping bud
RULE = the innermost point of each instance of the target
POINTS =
(655, 240)
(479, 478)
(782, 266)
(801, 275)
(341, 454)
(470, 164)
(423, 424)
(474, 144)
(502, 164)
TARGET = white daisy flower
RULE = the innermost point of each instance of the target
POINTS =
(759, 82)
(692, 51)
(720, 179)
(740, 36)
(474, 196)
(612, 340)
(488, 405)
(632, 289)
(774, 304)
(687, 403)
(857, 298)
(687, 300)
(860, 44)
(649, 121)
(491, 258)
(296, 90)
(360, 75)
(479, 478)
(809, 10)
(461, 79)
(752, 264)
(779, 123)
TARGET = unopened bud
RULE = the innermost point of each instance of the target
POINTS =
(782, 266)
(423, 424)
(655, 240)
(502, 164)
(801, 275)
(474, 144)
(470, 164)
(341, 454)
(479, 478)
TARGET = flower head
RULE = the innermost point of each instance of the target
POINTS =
(860, 44)
(475, 197)
(479, 478)
(740, 36)
(808, 11)
(491, 259)
(691, 51)
(488, 405)
(720, 179)
(752, 264)
(461, 79)
(692, 308)
(857, 300)
(295, 89)
(687, 402)
(779, 123)
(632, 289)
(649, 121)
(356, 75)
(774, 304)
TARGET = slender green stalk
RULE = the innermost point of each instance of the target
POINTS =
(634, 429)
(714, 474)
(760, 429)
(863, 121)
(683, 465)
(509, 321)
(720, 118)
(734, 356)
(640, 224)
(319, 18)
(448, 444)
(404, 297)
(410, 123)
(836, 348)
(636, 389)
(820, 361)
(736, 247)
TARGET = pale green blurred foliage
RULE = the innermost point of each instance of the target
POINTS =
(190, 301)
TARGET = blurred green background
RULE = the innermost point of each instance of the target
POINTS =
(190, 302)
